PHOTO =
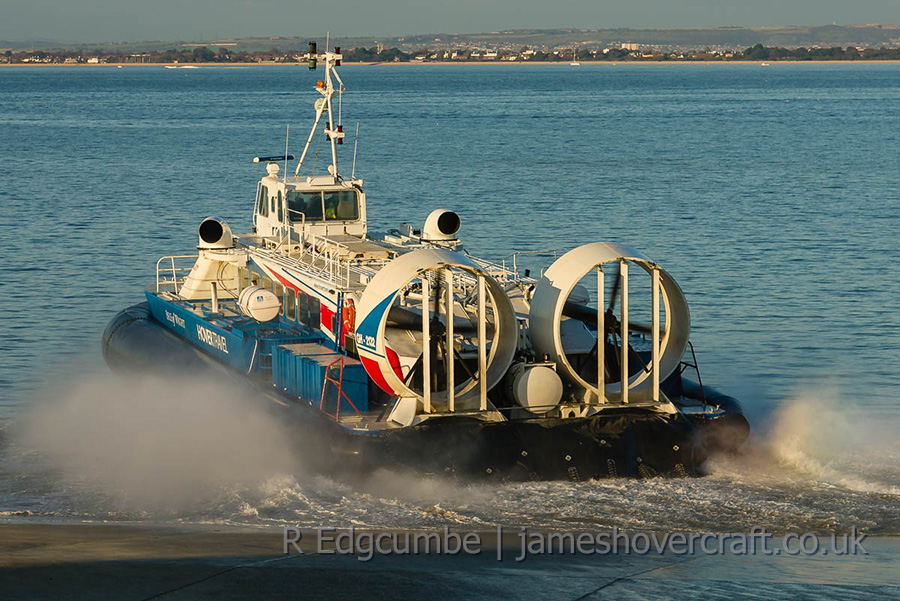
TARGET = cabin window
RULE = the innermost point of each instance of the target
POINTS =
(341, 206)
(263, 201)
(308, 310)
(290, 304)
(279, 292)
(315, 315)
(254, 278)
(307, 203)
(280, 209)
(303, 308)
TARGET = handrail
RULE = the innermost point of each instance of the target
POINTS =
(340, 384)
(161, 281)
(323, 248)
(318, 258)
(493, 269)
(288, 226)
(514, 256)
(696, 366)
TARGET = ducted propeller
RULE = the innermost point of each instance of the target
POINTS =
(590, 345)
(434, 326)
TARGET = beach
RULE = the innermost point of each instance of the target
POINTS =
(80, 561)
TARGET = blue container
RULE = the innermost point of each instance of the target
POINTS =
(291, 372)
(354, 384)
(300, 370)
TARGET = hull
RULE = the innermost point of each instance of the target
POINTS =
(616, 443)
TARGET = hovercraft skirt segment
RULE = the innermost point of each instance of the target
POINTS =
(133, 341)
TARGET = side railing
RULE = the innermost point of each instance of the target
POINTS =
(321, 262)
(498, 271)
(515, 257)
(322, 256)
(502, 271)
(171, 272)
(685, 365)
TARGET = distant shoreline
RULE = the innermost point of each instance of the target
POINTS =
(479, 63)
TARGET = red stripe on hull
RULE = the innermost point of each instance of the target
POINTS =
(282, 279)
(374, 371)
(327, 318)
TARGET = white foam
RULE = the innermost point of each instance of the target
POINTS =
(831, 439)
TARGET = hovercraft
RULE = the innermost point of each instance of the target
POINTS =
(403, 350)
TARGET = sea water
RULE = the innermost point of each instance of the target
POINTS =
(770, 194)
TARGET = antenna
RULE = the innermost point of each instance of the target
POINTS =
(334, 132)
(287, 137)
(355, 145)
(284, 203)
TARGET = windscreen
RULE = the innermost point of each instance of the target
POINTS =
(341, 205)
(307, 203)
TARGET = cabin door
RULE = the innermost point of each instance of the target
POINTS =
(270, 214)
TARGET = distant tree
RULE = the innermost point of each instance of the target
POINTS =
(756, 53)
(203, 55)
(614, 54)
(354, 55)
(393, 55)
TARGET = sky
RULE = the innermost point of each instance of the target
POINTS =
(131, 20)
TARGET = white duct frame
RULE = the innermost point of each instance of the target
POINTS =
(552, 293)
(395, 277)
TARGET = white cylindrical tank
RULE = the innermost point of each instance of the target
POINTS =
(259, 303)
(537, 388)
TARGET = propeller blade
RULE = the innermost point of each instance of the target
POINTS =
(401, 317)
(584, 313)
(642, 328)
(588, 315)
(614, 293)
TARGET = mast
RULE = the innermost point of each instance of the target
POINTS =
(324, 106)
